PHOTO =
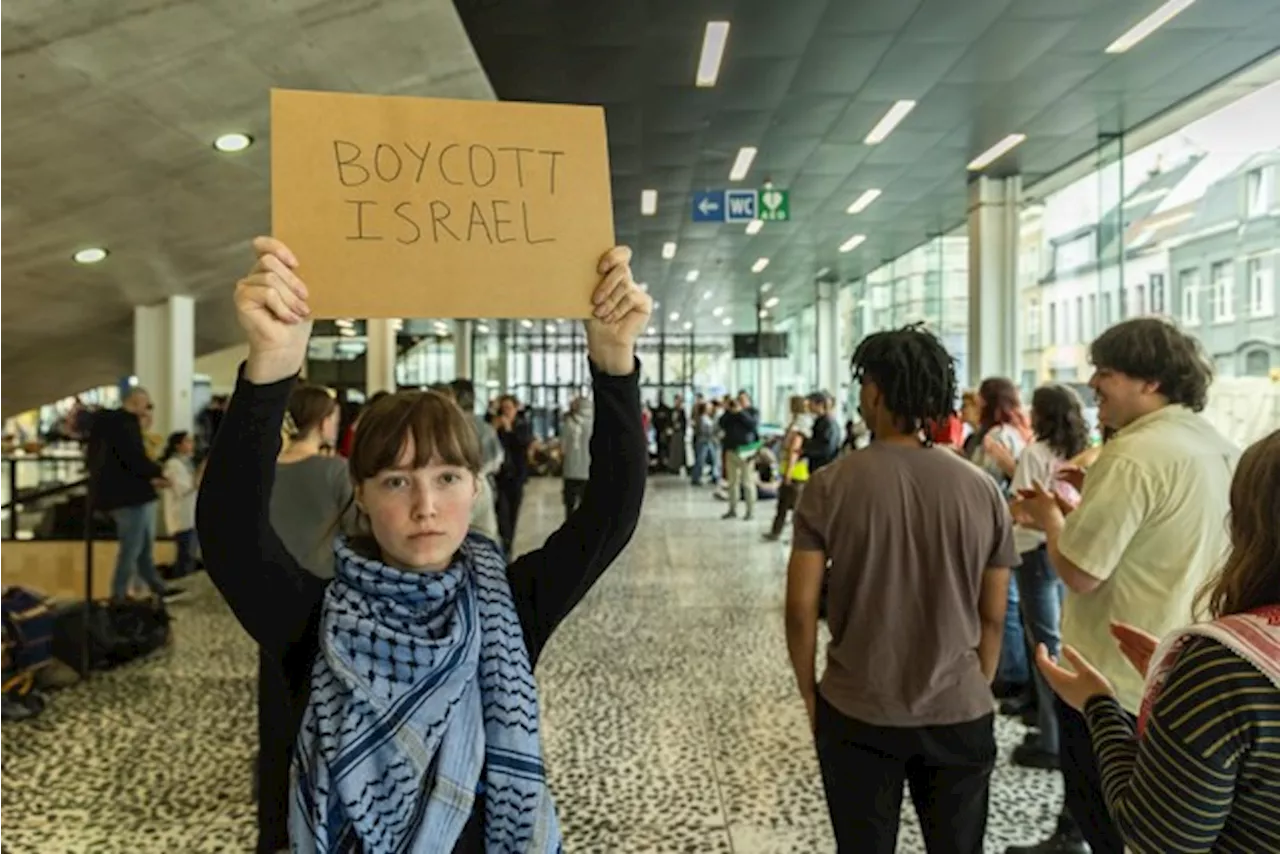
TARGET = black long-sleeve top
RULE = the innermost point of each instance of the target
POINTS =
(279, 603)
(1205, 777)
(118, 462)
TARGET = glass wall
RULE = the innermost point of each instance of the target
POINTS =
(1187, 227)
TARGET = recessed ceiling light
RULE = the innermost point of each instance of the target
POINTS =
(824, 271)
(995, 152)
(853, 243)
(728, 321)
(344, 321)
(91, 255)
(668, 250)
(742, 163)
(675, 315)
(754, 226)
(229, 143)
(860, 204)
(652, 331)
(644, 286)
(482, 329)
(347, 331)
(691, 276)
(717, 311)
(759, 265)
(656, 305)
(714, 39)
(771, 302)
(551, 328)
(763, 313)
(706, 294)
(885, 126)
(1148, 25)
(648, 202)
(764, 289)
(687, 326)
(527, 324)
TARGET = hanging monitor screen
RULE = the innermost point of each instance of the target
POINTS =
(763, 345)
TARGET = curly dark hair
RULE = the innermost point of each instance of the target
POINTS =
(914, 372)
(1154, 350)
(1057, 417)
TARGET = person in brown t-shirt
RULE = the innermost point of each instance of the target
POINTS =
(920, 543)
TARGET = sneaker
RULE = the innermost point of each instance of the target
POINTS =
(747, 518)
(730, 515)
(772, 537)
(173, 594)
(1032, 756)
(1070, 842)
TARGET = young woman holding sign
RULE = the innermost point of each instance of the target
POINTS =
(411, 672)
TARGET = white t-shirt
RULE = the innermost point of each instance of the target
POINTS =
(179, 496)
(1152, 526)
(1037, 464)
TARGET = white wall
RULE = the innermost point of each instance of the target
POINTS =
(221, 367)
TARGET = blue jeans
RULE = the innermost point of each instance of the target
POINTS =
(1041, 592)
(136, 531)
(706, 459)
(186, 562)
(1013, 648)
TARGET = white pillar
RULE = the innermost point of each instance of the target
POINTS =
(828, 335)
(380, 355)
(164, 360)
(993, 277)
(462, 332)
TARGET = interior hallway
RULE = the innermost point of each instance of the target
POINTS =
(671, 721)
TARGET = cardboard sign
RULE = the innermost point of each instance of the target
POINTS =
(423, 207)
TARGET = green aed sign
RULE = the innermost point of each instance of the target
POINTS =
(775, 205)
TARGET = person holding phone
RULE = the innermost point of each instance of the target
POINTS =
(411, 671)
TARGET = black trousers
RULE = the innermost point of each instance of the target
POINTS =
(788, 498)
(275, 750)
(1085, 803)
(573, 492)
(947, 767)
(510, 495)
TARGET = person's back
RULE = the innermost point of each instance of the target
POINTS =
(306, 500)
(118, 463)
(907, 562)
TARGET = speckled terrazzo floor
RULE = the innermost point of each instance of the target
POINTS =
(671, 722)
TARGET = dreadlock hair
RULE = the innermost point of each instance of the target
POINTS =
(913, 371)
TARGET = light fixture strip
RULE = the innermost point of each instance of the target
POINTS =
(853, 243)
(891, 119)
(995, 152)
(1148, 25)
(863, 201)
(648, 202)
(742, 163)
(714, 39)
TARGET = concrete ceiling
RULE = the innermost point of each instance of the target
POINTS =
(109, 114)
(805, 80)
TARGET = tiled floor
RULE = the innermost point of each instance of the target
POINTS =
(671, 720)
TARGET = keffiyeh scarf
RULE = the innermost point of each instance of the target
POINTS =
(422, 695)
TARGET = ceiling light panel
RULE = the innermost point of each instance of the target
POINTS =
(714, 39)
(891, 119)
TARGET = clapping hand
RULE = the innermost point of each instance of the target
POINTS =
(1075, 688)
(271, 305)
(1136, 645)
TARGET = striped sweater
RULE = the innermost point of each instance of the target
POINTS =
(1206, 775)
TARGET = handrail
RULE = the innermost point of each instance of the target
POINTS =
(44, 493)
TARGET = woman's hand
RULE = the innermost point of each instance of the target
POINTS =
(1071, 475)
(1078, 688)
(620, 316)
(271, 305)
(1136, 645)
(1037, 505)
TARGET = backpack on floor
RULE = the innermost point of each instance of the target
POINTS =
(116, 633)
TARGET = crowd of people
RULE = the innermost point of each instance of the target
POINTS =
(1122, 596)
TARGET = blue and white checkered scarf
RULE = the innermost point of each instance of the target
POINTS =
(422, 687)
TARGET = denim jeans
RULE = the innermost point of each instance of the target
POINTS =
(1013, 669)
(136, 531)
(704, 460)
(1041, 592)
(186, 562)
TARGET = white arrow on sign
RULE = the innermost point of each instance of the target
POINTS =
(706, 206)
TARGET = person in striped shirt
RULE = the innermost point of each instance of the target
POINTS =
(1200, 771)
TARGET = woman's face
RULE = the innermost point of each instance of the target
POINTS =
(419, 516)
(187, 447)
(329, 427)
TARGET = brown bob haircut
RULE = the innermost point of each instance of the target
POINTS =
(1250, 577)
(440, 432)
(1154, 350)
(309, 406)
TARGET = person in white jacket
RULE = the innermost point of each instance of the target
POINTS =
(179, 498)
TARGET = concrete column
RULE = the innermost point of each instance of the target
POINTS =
(380, 355)
(164, 360)
(828, 338)
(462, 333)
(993, 277)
